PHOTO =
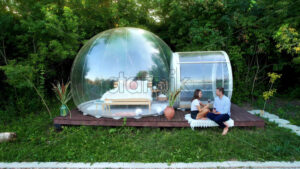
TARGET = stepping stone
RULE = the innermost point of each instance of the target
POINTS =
(280, 121)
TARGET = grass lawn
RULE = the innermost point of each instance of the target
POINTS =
(37, 141)
(289, 110)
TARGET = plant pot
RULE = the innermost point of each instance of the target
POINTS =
(63, 110)
(169, 112)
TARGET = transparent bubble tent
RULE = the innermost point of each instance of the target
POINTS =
(128, 72)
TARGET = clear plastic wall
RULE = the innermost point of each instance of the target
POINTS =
(200, 70)
(121, 72)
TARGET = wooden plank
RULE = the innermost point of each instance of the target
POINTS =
(116, 123)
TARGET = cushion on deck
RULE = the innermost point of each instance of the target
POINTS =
(205, 123)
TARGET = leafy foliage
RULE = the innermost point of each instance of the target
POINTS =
(288, 39)
(173, 96)
(18, 75)
(40, 39)
(62, 92)
(267, 94)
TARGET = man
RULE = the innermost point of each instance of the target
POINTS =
(221, 110)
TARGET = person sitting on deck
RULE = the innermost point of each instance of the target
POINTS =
(196, 111)
(221, 110)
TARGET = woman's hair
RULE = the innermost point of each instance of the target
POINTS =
(196, 94)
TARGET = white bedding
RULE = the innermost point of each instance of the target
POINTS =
(205, 123)
(141, 92)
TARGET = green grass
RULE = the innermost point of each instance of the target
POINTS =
(289, 110)
(37, 141)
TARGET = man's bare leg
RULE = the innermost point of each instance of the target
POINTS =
(225, 130)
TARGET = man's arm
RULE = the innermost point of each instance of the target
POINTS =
(216, 112)
(204, 105)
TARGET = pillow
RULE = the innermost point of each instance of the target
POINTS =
(132, 85)
(138, 86)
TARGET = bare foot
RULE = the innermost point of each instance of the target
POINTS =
(203, 118)
(226, 124)
(225, 130)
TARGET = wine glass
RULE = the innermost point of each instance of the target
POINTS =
(209, 105)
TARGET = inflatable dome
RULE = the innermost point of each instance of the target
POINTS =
(122, 72)
(204, 70)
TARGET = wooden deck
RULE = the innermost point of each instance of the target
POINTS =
(240, 116)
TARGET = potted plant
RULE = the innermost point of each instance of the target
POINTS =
(63, 95)
(169, 111)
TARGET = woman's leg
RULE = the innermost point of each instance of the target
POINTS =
(206, 112)
(202, 114)
(194, 114)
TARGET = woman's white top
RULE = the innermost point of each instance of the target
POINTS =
(194, 105)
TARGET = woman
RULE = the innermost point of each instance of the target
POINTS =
(198, 109)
